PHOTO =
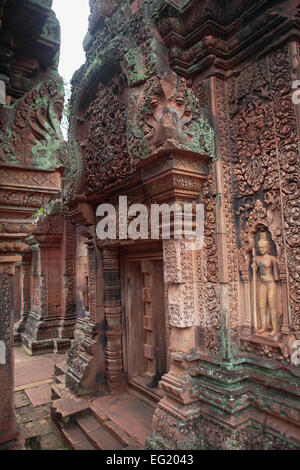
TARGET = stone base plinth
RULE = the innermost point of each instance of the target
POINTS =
(238, 407)
(173, 432)
(37, 347)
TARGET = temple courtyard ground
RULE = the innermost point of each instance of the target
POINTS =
(98, 422)
(33, 379)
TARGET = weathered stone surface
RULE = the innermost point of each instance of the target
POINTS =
(176, 103)
(189, 113)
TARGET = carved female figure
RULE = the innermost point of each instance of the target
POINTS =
(266, 267)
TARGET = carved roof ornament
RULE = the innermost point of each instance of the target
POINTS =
(34, 138)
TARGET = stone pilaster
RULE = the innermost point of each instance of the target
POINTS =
(177, 413)
(8, 428)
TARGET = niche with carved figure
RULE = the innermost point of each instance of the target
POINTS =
(263, 290)
(266, 288)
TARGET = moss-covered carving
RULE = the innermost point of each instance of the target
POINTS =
(33, 137)
(167, 117)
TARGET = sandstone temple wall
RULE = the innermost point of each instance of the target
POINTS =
(179, 101)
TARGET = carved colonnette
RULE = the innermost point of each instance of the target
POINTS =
(26, 272)
(68, 318)
(113, 318)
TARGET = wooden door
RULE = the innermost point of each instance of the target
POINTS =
(146, 340)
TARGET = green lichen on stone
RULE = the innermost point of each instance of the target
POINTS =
(136, 68)
(124, 37)
(6, 149)
(203, 141)
(202, 133)
(47, 153)
(51, 29)
(35, 119)
(42, 3)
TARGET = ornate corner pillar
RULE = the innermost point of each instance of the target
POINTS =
(179, 179)
(113, 318)
(42, 328)
(175, 417)
(18, 292)
(86, 357)
(8, 428)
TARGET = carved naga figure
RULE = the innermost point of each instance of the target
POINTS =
(166, 116)
(169, 116)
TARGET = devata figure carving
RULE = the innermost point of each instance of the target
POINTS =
(265, 270)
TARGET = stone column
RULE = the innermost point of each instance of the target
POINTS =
(8, 428)
(247, 321)
(113, 316)
(68, 317)
(18, 292)
(26, 304)
(41, 327)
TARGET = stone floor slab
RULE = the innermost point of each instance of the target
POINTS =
(33, 372)
(33, 380)
(39, 395)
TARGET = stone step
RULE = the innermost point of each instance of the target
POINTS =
(112, 427)
(60, 368)
(56, 391)
(99, 436)
(68, 408)
(126, 414)
(119, 422)
(59, 379)
(32, 436)
(74, 438)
